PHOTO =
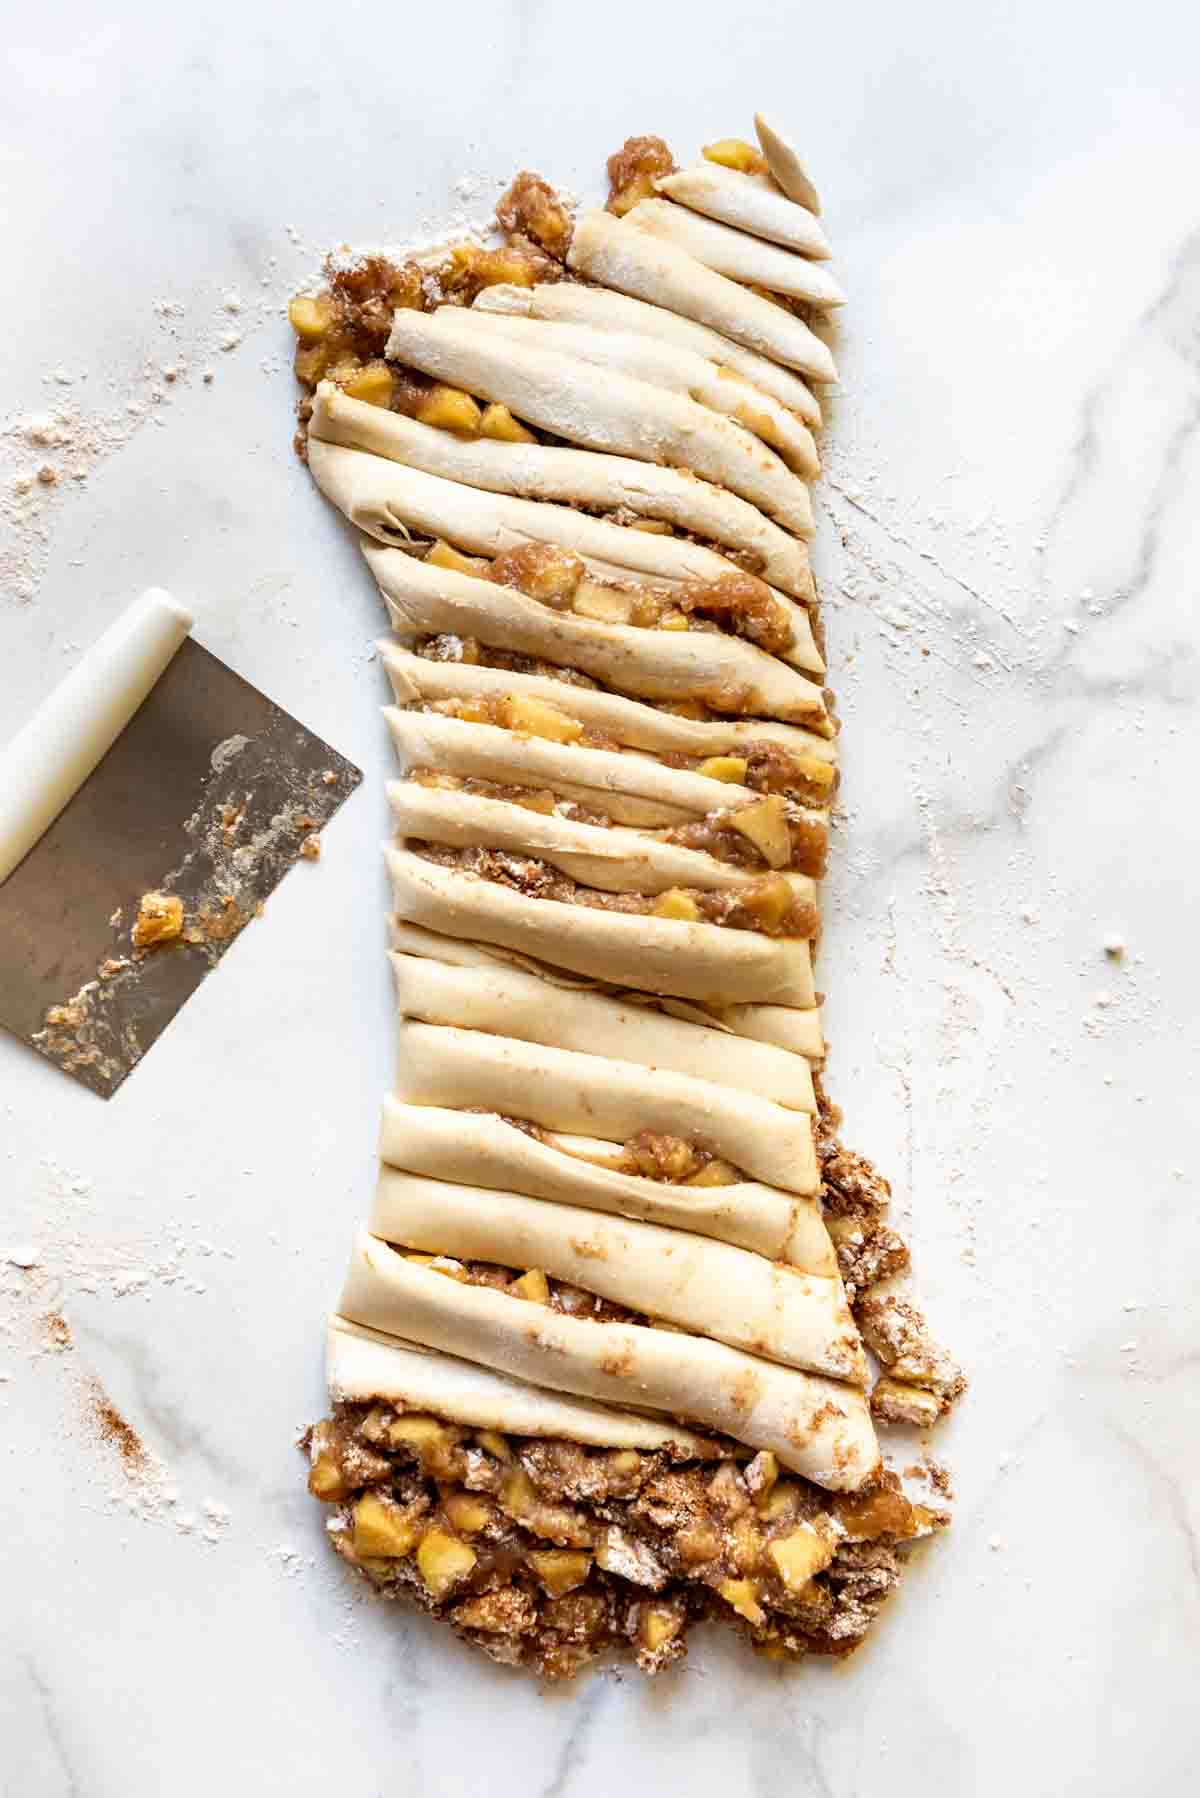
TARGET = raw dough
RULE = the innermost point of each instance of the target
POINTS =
(612, 252)
(602, 411)
(818, 1427)
(71, 732)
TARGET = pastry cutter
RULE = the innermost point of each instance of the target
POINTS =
(147, 810)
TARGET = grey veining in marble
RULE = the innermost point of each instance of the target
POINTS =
(1008, 550)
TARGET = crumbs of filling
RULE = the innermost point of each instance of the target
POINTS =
(549, 1555)
(634, 169)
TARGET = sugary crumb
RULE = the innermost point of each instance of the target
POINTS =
(24, 1255)
(1114, 947)
(159, 920)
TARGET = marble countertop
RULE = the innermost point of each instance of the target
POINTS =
(1008, 552)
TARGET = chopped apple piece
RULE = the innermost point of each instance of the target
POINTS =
(741, 1594)
(736, 153)
(159, 920)
(444, 555)
(747, 1544)
(765, 824)
(798, 1555)
(327, 1477)
(778, 1502)
(416, 1431)
(310, 316)
(444, 1562)
(372, 384)
(608, 605)
(382, 1528)
(560, 1569)
(498, 422)
(518, 1496)
(817, 772)
(656, 1627)
(532, 1286)
(449, 409)
(677, 905)
(731, 768)
(713, 1173)
(769, 900)
(440, 1264)
(538, 718)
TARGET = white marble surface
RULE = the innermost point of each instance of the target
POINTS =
(1009, 552)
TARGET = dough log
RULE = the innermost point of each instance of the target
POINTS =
(480, 1149)
(818, 1427)
(689, 1280)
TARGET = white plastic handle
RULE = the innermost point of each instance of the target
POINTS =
(48, 761)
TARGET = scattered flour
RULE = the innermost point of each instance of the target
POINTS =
(75, 1259)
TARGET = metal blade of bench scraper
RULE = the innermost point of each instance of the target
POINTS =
(209, 793)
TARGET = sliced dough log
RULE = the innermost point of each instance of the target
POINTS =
(662, 364)
(579, 477)
(415, 678)
(609, 411)
(615, 254)
(797, 1031)
(508, 1002)
(703, 1286)
(735, 253)
(480, 1149)
(393, 503)
(363, 1366)
(562, 1089)
(602, 309)
(706, 962)
(733, 675)
(785, 165)
(632, 788)
(379, 494)
(817, 1427)
(750, 205)
(609, 858)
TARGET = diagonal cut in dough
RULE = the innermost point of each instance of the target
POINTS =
(737, 254)
(612, 411)
(581, 478)
(612, 252)
(818, 1427)
(750, 203)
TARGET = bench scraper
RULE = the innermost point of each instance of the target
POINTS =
(155, 791)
